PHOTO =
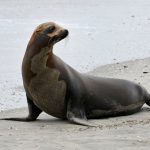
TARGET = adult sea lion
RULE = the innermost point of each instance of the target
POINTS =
(54, 87)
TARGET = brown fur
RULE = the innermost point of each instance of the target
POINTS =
(42, 79)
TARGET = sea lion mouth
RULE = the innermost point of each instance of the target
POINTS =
(63, 34)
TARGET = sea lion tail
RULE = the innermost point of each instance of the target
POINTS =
(147, 101)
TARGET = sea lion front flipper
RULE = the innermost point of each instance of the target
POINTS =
(34, 112)
(77, 115)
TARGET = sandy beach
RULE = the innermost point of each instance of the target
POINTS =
(116, 33)
(118, 133)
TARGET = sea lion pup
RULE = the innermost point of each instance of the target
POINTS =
(54, 87)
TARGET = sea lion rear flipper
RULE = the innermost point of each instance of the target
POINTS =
(81, 121)
(34, 112)
(77, 115)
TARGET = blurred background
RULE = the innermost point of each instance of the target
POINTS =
(101, 32)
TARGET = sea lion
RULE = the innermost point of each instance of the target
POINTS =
(54, 87)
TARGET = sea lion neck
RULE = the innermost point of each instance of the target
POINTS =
(39, 60)
(36, 44)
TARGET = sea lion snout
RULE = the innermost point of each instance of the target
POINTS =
(66, 32)
(63, 33)
(60, 35)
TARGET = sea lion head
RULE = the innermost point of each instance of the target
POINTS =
(52, 31)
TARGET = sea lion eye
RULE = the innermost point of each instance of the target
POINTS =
(49, 30)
